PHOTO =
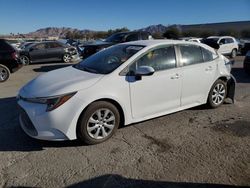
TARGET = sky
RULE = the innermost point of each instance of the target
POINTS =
(23, 16)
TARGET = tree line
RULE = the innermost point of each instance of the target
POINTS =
(175, 33)
(93, 34)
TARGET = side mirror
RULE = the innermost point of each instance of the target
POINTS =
(144, 71)
(31, 49)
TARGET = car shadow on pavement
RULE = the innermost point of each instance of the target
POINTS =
(12, 137)
(240, 75)
(114, 181)
(48, 68)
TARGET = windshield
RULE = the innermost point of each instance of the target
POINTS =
(108, 60)
(116, 38)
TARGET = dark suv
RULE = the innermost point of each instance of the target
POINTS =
(9, 60)
(89, 49)
(47, 51)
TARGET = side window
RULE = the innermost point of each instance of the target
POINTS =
(144, 36)
(132, 37)
(159, 59)
(191, 54)
(229, 40)
(39, 46)
(53, 45)
(222, 41)
(207, 55)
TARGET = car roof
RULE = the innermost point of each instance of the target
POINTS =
(157, 42)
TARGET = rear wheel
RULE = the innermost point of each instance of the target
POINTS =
(98, 123)
(66, 58)
(217, 94)
(4, 73)
(24, 60)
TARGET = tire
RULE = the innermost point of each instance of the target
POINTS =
(233, 53)
(4, 73)
(66, 58)
(99, 118)
(217, 94)
(24, 60)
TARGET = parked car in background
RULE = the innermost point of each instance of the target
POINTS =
(48, 51)
(24, 45)
(89, 49)
(123, 84)
(9, 60)
(192, 39)
(15, 43)
(246, 63)
(227, 45)
(245, 48)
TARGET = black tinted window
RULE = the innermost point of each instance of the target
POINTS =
(229, 40)
(222, 41)
(191, 54)
(159, 59)
(132, 37)
(144, 36)
(39, 46)
(54, 45)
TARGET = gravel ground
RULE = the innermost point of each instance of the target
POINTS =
(198, 147)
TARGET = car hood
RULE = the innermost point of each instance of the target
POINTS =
(60, 81)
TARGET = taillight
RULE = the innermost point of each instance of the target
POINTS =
(14, 55)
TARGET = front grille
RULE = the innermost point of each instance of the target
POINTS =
(27, 122)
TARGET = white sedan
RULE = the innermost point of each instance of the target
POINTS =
(123, 84)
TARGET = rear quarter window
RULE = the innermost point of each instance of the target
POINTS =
(208, 55)
(191, 54)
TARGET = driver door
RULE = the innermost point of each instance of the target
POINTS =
(159, 92)
(38, 52)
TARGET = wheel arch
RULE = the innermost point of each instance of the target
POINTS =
(112, 101)
(230, 83)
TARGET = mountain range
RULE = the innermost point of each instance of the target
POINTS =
(62, 31)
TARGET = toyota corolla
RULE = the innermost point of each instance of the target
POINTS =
(123, 84)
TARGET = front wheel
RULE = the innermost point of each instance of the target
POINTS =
(4, 73)
(98, 123)
(217, 94)
(66, 58)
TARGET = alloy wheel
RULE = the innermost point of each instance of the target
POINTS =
(66, 58)
(24, 60)
(101, 123)
(3, 74)
(218, 94)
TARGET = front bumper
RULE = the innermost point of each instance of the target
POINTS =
(59, 124)
(47, 132)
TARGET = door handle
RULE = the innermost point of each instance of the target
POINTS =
(209, 68)
(176, 76)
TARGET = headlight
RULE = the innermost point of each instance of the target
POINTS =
(52, 102)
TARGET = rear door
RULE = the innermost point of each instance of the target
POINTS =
(54, 50)
(198, 71)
